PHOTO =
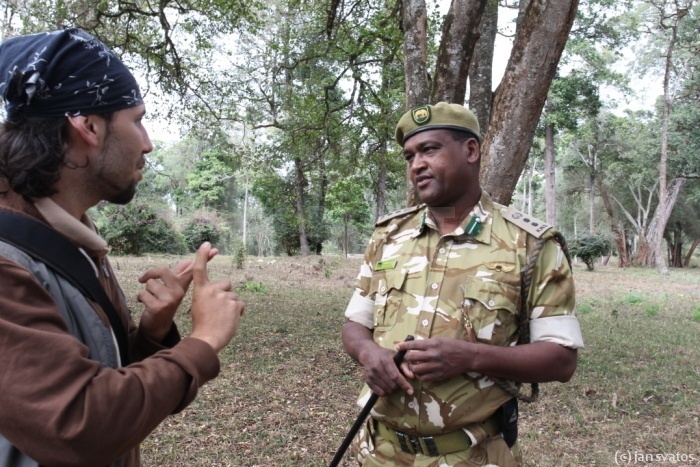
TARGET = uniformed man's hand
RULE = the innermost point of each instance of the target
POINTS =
(436, 359)
(381, 374)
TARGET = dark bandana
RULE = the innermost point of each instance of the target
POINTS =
(63, 73)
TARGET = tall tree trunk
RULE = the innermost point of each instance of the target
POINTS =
(301, 211)
(691, 250)
(245, 212)
(414, 17)
(676, 247)
(654, 235)
(345, 237)
(481, 68)
(522, 93)
(663, 163)
(550, 174)
(616, 226)
(414, 20)
(385, 135)
(323, 191)
(591, 201)
(460, 32)
(380, 208)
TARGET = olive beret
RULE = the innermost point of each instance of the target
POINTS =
(441, 116)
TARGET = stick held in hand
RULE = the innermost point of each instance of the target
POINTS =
(398, 358)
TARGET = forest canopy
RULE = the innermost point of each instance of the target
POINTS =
(285, 112)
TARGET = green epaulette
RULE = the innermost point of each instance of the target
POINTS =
(529, 224)
(399, 213)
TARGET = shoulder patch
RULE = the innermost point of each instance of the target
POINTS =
(529, 224)
(399, 213)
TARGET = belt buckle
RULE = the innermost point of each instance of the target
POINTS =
(402, 441)
(412, 444)
(431, 446)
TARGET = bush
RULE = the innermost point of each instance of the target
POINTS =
(202, 228)
(590, 248)
(136, 228)
(239, 254)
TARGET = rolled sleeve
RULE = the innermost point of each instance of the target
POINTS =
(563, 330)
(361, 310)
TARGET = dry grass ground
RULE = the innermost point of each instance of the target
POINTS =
(286, 392)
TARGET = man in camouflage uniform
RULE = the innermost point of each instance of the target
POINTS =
(449, 273)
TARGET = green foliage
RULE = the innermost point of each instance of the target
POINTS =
(171, 43)
(584, 308)
(278, 198)
(136, 228)
(203, 227)
(590, 248)
(211, 179)
(633, 299)
(239, 254)
(652, 310)
(696, 314)
(256, 287)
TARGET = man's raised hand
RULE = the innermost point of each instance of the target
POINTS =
(215, 308)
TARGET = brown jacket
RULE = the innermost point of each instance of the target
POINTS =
(58, 406)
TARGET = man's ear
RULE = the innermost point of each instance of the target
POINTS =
(472, 149)
(89, 129)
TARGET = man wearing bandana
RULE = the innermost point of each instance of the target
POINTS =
(73, 391)
(469, 279)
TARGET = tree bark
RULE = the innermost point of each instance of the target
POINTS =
(414, 20)
(522, 93)
(691, 250)
(591, 200)
(460, 32)
(676, 247)
(414, 17)
(380, 208)
(654, 235)
(616, 226)
(663, 163)
(481, 67)
(301, 214)
(550, 174)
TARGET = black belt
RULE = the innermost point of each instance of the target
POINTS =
(437, 445)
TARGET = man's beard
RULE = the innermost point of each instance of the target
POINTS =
(124, 196)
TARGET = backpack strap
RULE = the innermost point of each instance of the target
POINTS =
(58, 253)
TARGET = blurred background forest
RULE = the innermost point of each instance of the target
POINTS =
(273, 120)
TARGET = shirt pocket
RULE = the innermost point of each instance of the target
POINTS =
(387, 288)
(492, 309)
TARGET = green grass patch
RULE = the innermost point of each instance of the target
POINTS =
(696, 314)
(256, 287)
(632, 299)
(652, 310)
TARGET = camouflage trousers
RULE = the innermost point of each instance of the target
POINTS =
(371, 450)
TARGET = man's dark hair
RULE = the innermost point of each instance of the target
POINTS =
(462, 136)
(33, 152)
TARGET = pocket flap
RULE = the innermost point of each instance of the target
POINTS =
(492, 295)
(384, 281)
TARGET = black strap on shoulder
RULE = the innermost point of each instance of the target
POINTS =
(57, 252)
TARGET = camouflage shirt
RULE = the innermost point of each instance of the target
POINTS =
(417, 282)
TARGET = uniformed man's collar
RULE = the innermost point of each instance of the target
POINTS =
(482, 211)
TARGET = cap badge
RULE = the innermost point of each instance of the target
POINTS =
(421, 115)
